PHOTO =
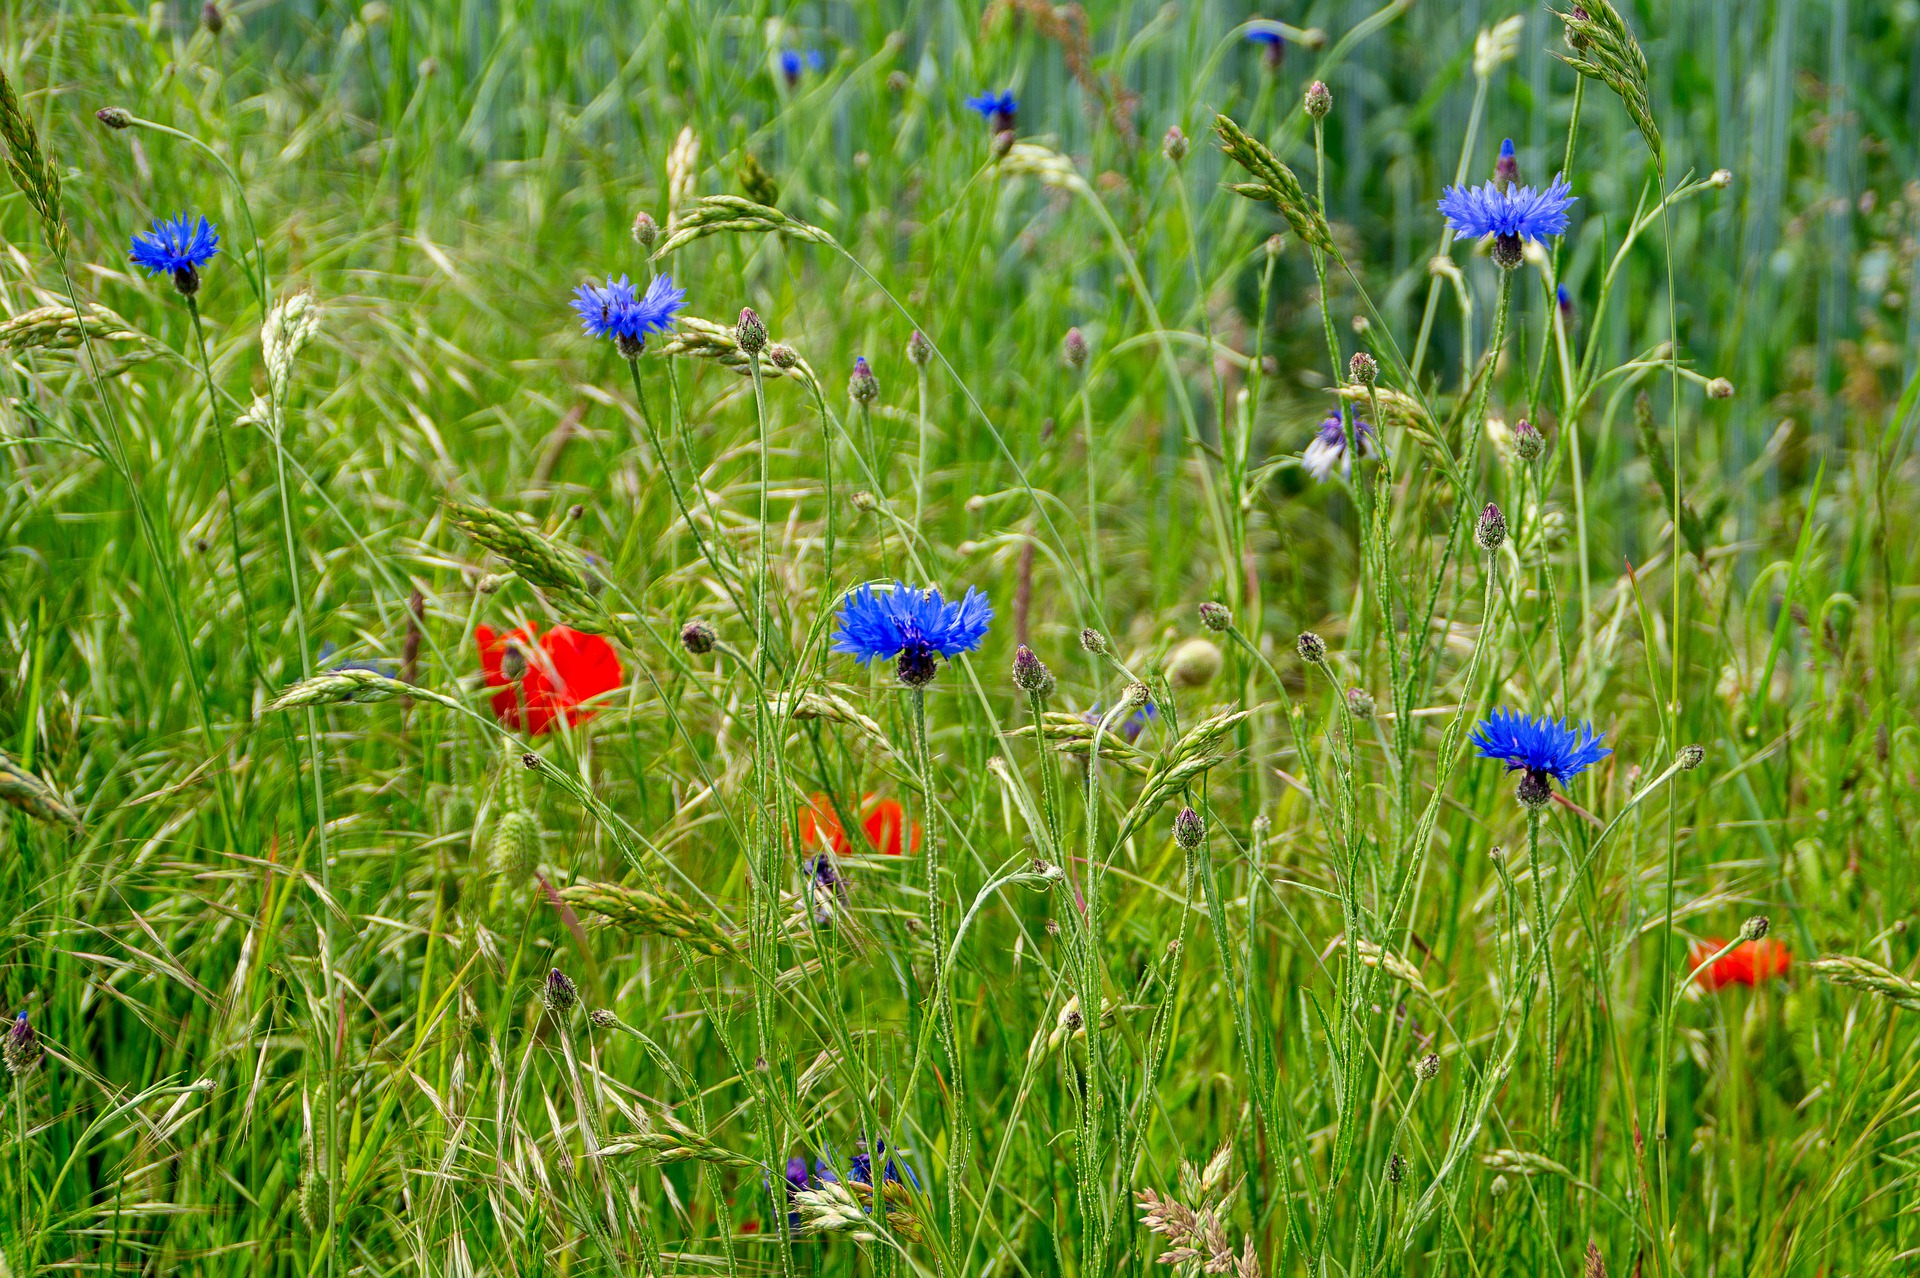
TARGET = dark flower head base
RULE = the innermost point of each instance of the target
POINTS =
(998, 109)
(915, 627)
(614, 310)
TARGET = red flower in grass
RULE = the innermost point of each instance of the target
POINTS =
(882, 819)
(543, 677)
(1748, 963)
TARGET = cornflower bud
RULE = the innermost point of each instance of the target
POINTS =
(1135, 695)
(114, 117)
(1030, 674)
(1719, 388)
(1075, 348)
(783, 356)
(1319, 99)
(212, 19)
(1312, 648)
(1093, 641)
(1506, 170)
(1721, 179)
(1360, 703)
(1427, 1068)
(1174, 145)
(21, 1050)
(560, 994)
(1363, 368)
(1215, 616)
(1396, 1169)
(1189, 831)
(750, 332)
(1492, 532)
(863, 386)
(1755, 928)
(1275, 243)
(698, 637)
(864, 500)
(1528, 443)
(1691, 757)
(646, 231)
(919, 349)
(1002, 143)
(530, 761)
(603, 1018)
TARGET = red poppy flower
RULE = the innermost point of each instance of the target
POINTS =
(882, 819)
(1748, 963)
(541, 678)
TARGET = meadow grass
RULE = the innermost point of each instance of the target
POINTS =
(1196, 936)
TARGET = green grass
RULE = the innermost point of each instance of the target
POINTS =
(291, 975)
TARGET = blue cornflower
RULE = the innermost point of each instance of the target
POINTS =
(375, 665)
(794, 61)
(1328, 447)
(178, 248)
(913, 625)
(1272, 43)
(1515, 214)
(1131, 728)
(612, 310)
(1506, 170)
(1539, 748)
(1565, 299)
(861, 1169)
(997, 109)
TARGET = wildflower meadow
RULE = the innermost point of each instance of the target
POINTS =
(948, 638)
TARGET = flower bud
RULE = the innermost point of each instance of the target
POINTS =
(1174, 145)
(1721, 179)
(1528, 443)
(1275, 243)
(1215, 616)
(1360, 703)
(862, 385)
(646, 231)
(1135, 695)
(1363, 368)
(919, 349)
(21, 1050)
(750, 332)
(1427, 1068)
(1189, 831)
(1500, 1187)
(1193, 664)
(1075, 348)
(603, 1018)
(698, 637)
(1755, 928)
(1691, 757)
(1312, 648)
(1396, 1169)
(783, 356)
(212, 19)
(1093, 641)
(560, 994)
(1002, 143)
(530, 761)
(1030, 674)
(1319, 99)
(1719, 388)
(114, 117)
(1492, 532)
(1506, 170)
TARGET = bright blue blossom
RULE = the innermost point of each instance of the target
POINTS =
(913, 625)
(612, 310)
(1328, 448)
(794, 61)
(386, 666)
(997, 109)
(178, 248)
(861, 1170)
(1539, 747)
(1267, 36)
(1519, 212)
